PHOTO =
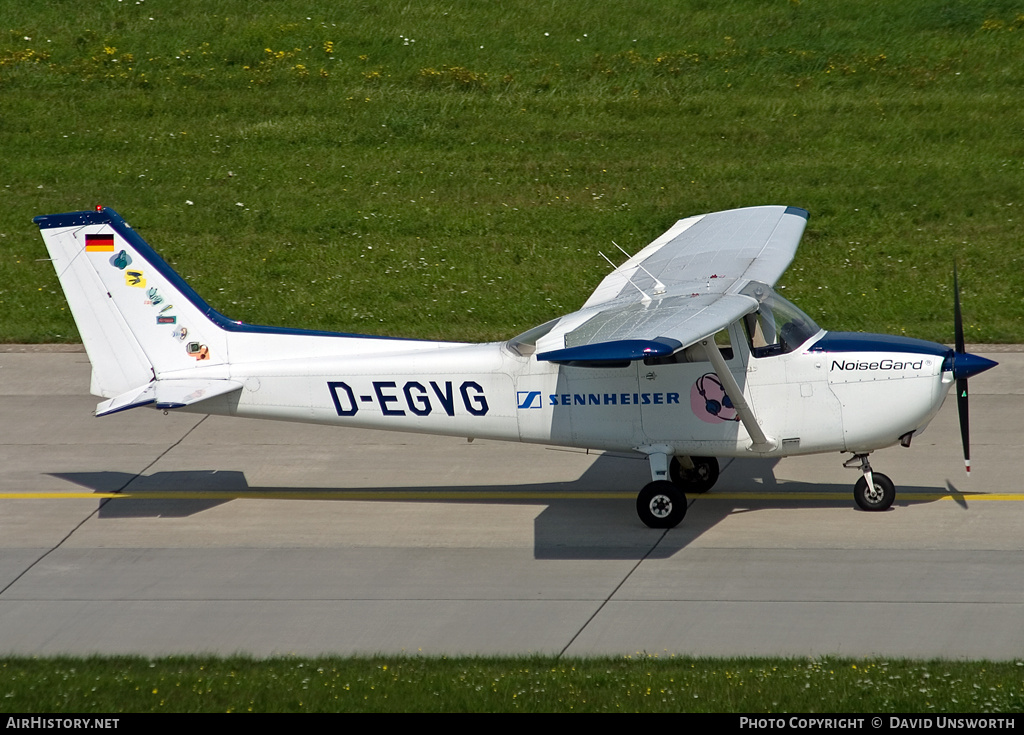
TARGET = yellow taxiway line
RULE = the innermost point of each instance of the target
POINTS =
(472, 495)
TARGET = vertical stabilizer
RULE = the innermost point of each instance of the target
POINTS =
(138, 318)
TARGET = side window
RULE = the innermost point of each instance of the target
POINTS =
(526, 343)
(761, 335)
(724, 343)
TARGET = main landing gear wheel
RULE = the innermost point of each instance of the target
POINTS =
(880, 497)
(661, 505)
(700, 479)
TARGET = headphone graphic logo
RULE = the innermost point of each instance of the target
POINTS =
(710, 402)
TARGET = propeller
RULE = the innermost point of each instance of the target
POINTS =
(964, 366)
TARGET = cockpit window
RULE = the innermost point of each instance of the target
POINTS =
(777, 327)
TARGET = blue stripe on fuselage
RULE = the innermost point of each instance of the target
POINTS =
(863, 342)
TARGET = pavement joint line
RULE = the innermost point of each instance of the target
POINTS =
(98, 508)
(612, 594)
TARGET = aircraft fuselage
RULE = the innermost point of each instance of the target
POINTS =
(836, 393)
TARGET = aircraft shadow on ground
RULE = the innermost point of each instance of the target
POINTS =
(584, 527)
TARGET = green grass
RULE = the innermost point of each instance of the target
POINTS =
(638, 683)
(451, 170)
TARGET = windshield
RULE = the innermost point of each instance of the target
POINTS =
(778, 326)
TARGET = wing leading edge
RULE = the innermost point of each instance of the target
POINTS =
(681, 288)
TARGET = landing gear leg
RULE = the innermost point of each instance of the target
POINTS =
(660, 504)
(873, 491)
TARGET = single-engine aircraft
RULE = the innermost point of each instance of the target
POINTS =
(684, 353)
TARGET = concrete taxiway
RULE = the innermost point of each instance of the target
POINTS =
(168, 534)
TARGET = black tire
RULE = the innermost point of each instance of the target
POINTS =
(661, 505)
(700, 479)
(880, 499)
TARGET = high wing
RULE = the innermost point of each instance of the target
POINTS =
(683, 287)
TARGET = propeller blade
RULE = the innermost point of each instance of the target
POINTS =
(964, 366)
(965, 428)
(958, 322)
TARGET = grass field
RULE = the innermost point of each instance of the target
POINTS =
(637, 683)
(451, 170)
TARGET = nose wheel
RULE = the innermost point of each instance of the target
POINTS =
(879, 496)
(873, 491)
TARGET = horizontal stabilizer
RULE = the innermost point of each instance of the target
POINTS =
(134, 398)
(168, 394)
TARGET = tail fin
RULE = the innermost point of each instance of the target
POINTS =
(138, 319)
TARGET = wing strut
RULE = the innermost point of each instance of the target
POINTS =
(761, 443)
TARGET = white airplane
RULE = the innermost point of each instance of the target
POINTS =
(684, 353)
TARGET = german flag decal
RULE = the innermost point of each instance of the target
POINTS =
(99, 243)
